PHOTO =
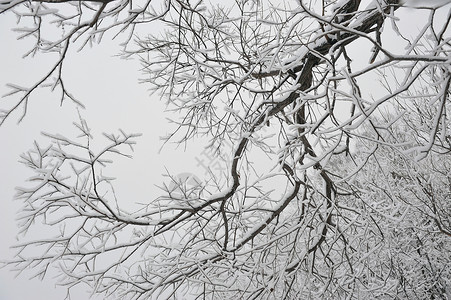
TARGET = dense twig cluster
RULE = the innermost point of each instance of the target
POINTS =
(315, 219)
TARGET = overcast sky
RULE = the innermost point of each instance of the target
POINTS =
(109, 89)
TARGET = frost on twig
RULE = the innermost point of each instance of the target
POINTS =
(74, 25)
(322, 178)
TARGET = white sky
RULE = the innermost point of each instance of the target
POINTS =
(109, 88)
